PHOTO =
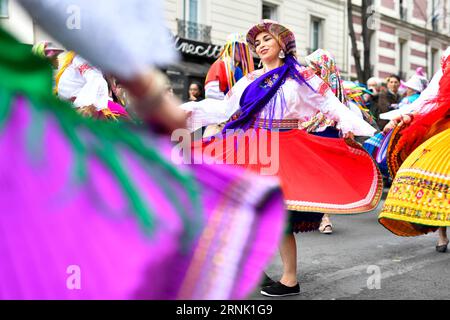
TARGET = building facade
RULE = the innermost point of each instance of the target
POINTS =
(15, 20)
(317, 24)
(406, 34)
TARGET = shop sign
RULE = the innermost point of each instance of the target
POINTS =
(198, 49)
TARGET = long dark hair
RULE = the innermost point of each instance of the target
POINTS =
(200, 89)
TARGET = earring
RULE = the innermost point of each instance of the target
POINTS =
(260, 64)
(281, 54)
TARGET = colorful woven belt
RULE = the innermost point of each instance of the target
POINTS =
(277, 124)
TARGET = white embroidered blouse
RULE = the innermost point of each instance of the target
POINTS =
(84, 84)
(302, 104)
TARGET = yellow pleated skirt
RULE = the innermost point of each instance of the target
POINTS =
(419, 198)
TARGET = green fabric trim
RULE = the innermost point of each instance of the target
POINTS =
(20, 70)
(35, 134)
(79, 174)
(5, 100)
(144, 214)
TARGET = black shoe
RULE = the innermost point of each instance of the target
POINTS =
(280, 290)
(442, 248)
(267, 281)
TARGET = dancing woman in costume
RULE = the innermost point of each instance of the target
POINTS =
(275, 104)
(81, 83)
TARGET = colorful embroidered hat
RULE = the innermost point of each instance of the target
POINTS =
(46, 49)
(283, 35)
(324, 65)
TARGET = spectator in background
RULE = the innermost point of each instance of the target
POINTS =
(383, 101)
(374, 86)
(195, 92)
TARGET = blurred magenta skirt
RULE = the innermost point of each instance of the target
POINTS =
(61, 238)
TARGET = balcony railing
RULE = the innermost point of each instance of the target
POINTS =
(194, 31)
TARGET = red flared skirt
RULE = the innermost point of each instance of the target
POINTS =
(317, 174)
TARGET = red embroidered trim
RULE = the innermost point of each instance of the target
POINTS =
(323, 88)
(83, 68)
(307, 73)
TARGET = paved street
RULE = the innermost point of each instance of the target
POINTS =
(336, 266)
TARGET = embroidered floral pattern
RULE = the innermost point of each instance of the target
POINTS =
(318, 122)
(323, 88)
(306, 73)
(324, 65)
(419, 198)
(419, 194)
(269, 81)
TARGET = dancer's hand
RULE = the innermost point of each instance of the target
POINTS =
(349, 135)
(391, 125)
(154, 104)
(399, 121)
(405, 119)
(168, 117)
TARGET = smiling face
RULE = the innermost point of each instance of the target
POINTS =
(267, 48)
